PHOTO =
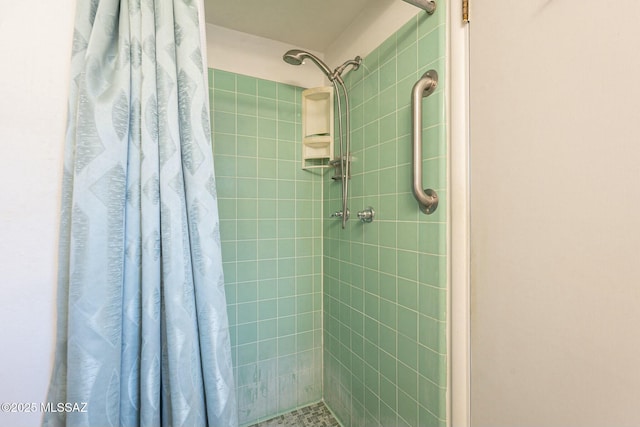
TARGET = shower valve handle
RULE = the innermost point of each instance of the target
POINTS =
(339, 214)
(367, 214)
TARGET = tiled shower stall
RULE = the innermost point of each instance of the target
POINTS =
(354, 317)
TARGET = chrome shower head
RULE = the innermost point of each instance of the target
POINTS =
(297, 56)
(294, 57)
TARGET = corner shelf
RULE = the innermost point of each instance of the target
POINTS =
(317, 127)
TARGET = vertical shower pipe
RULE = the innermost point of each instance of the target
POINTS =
(345, 161)
(342, 213)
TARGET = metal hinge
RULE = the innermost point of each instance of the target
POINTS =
(465, 11)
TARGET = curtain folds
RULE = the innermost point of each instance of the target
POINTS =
(142, 336)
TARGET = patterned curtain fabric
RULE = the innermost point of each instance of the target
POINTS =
(142, 337)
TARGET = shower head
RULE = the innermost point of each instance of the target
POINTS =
(294, 57)
(297, 56)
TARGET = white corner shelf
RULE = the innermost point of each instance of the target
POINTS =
(317, 127)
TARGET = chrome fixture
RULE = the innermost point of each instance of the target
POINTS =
(427, 199)
(337, 173)
(367, 215)
(428, 5)
(297, 57)
(340, 214)
(354, 63)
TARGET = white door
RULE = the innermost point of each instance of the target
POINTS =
(555, 213)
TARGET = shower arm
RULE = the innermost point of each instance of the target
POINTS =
(354, 63)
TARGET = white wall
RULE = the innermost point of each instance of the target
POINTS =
(35, 45)
(555, 224)
(242, 53)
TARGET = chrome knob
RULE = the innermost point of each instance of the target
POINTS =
(367, 214)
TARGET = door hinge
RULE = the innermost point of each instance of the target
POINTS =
(465, 11)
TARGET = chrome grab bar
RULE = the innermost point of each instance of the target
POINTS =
(427, 199)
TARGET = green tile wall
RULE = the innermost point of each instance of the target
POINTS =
(271, 233)
(385, 282)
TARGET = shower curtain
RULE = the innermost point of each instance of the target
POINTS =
(142, 336)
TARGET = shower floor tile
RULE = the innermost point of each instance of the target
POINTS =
(316, 415)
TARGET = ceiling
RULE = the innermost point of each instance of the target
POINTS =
(308, 24)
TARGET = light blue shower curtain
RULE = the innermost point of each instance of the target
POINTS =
(142, 337)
